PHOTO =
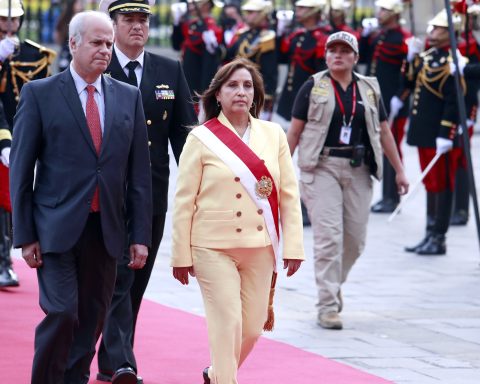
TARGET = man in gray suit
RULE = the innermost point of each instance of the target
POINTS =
(87, 137)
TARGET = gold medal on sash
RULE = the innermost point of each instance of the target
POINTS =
(263, 187)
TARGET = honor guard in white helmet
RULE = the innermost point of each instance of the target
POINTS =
(384, 50)
(21, 62)
(257, 42)
(337, 16)
(198, 36)
(303, 49)
(469, 47)
(433, 129)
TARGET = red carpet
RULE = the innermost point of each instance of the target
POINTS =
(171, 347)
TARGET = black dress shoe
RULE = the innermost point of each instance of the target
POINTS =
(104, 376)
(459, 217)
(107, 377)
(206, 379)
(125, 375)
(434, 246)
(415, 248)
(384, 206)
(8, 278)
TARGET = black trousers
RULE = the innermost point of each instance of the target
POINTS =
(116, 346)
(5, 239)
(76, 287)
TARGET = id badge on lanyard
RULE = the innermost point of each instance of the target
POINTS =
(345, 134)
(346, 130)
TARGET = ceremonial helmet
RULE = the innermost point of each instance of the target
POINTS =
(441, 20)
(340, 5)
(263, 6)
(474, 9)
(316, 6)
(16, 8)
(396, 6)
(125, 6)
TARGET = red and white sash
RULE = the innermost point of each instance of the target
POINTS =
(245, 164)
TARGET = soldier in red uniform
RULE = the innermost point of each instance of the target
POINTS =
(429, 76)
(198, 36)
(257, 43)
(303, 50)
(469, 47)
(384, 50)
(337, 16)
(8, 278)
(21, 61)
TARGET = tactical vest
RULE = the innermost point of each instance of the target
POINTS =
(320, 112)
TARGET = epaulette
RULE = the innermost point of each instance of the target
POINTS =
(266, 35)
(267, 41)
(50, 53)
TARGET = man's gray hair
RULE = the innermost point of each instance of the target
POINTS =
(76, 29)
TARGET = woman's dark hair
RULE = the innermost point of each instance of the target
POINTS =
(209, 97)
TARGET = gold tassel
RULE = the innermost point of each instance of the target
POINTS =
(268, 326)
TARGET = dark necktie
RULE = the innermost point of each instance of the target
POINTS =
(94, 125)
(132, 77)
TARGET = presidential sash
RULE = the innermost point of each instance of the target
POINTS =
(245, 164)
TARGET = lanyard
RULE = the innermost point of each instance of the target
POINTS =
(340, 103)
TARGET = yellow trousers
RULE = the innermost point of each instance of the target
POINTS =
(235, 286)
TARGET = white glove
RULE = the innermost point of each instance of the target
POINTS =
(7, 46)
(415, 46)
(178, 10)
(5, 156)
(210, 40)
(284, 20)
(368, 25)
(443, 145)
(462, 62)
(395, 105)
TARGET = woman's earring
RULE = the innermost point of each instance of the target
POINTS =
(218, 104)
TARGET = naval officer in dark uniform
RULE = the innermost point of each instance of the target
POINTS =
(168, 112)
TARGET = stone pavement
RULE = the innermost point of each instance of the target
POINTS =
(407, 318)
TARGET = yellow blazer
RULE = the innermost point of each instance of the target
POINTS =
(213, 210)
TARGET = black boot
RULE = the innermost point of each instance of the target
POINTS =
(8, 278)
(390, 197)
(461, 199)
(434, 246)
(436, 243)
(416, 247)
(431, 212)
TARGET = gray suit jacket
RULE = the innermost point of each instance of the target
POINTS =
(51, 132)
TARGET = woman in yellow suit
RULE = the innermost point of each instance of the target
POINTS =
(236, 192)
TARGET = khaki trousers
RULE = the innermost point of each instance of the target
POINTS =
(235, 286)
(337, 198)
